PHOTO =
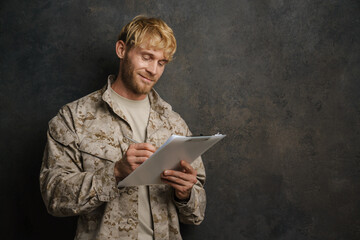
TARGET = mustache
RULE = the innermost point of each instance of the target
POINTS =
(147, 76)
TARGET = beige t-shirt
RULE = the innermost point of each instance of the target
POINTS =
(137, 114)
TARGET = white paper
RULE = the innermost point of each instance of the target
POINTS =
(168, 156)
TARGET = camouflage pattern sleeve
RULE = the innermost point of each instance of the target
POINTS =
(66, 189)
(193, 211)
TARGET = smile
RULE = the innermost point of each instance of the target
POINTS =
(145, 78)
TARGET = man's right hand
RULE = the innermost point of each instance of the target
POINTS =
(135, 155)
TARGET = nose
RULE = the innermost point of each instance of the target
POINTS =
(152, 67)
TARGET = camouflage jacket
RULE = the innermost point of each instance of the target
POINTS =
(84, 141)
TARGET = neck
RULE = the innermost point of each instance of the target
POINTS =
(119, 87)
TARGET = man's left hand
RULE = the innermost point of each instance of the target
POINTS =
(182, 181)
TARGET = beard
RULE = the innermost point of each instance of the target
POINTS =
(131, 79)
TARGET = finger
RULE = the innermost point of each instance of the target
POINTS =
(144, 146)
(138, 153)
(188, 168)
(175, 180)
(136, 160)
(142, 153)
(180, 175)
(182, 192)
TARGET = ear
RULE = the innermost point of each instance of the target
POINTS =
(120, 49)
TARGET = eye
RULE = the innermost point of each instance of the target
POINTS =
(146, 57)
(162, 63)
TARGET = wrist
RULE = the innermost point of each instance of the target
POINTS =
(181, 199)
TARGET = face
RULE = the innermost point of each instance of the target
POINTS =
(141, 68)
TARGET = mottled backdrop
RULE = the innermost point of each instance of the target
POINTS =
(279, 77)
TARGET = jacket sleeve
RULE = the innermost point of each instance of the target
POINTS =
(66, 189)
(193, 211)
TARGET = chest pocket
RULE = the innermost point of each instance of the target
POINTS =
(97, 153)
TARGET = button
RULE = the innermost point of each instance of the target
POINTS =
(130, 221)
(134, 212)
(130, 191)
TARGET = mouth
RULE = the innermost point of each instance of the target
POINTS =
(145, 79)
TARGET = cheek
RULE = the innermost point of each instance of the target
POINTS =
(140, 66)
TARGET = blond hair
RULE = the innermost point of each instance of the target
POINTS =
(153, 30)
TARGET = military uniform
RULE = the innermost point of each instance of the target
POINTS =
(85, 140)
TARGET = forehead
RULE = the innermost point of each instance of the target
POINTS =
(153, 42)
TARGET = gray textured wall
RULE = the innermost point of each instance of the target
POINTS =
(280, 78)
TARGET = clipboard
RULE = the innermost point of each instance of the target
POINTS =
(168, 156)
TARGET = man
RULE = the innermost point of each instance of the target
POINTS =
(88, 150)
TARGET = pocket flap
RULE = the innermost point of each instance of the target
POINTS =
(100, 149)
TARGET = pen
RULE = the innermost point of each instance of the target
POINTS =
(131, 139)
